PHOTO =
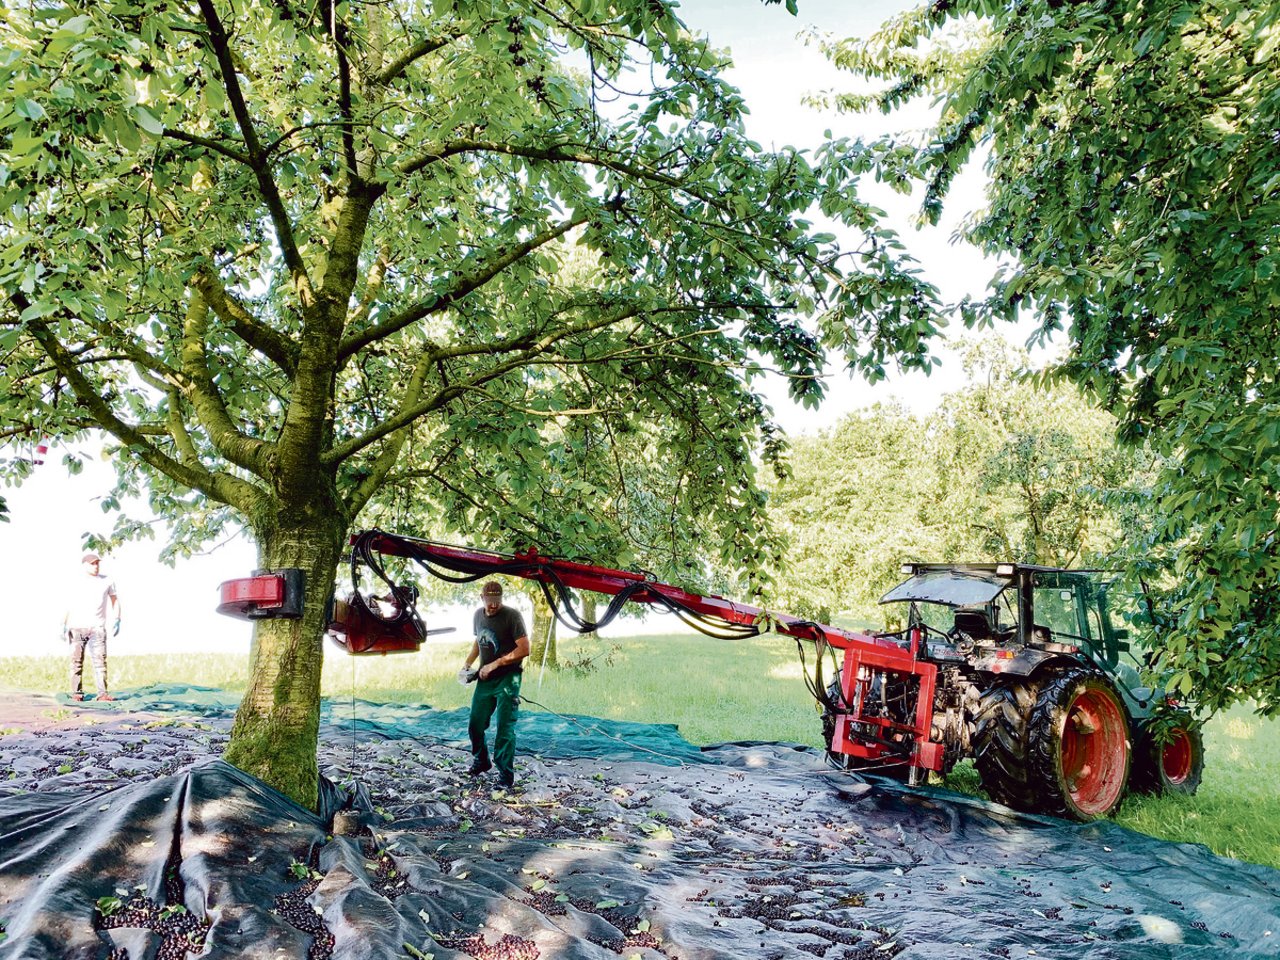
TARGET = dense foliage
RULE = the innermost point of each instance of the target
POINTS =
(1134, 160)
(1004, 470)
(308, 263)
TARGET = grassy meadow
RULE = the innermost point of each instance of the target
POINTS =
(728, 690)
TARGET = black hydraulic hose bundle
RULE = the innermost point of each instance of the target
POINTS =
(814, 683)
(454, 568)
(558, 595)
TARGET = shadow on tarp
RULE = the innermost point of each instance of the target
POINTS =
(554, 736)
(932, 878)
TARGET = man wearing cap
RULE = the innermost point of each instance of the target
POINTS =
(501, 644)
(89, 599)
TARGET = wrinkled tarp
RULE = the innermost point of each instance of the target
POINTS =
(763, 852)
(565, 735)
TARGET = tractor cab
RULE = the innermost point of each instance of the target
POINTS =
(1011, 618)
(958, 605)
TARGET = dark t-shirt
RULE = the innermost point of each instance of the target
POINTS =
(497, 636)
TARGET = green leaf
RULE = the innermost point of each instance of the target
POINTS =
(148, 120)
(29, 109)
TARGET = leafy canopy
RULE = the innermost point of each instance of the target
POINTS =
(303, 260)
(1134, 184)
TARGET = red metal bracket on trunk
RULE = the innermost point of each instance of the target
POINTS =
(264, 596)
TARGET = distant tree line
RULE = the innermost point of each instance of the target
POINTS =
(1006, 469)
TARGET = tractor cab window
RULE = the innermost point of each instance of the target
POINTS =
(1006, 612)
(1058, 605)
(1118, 611)
(933, 615)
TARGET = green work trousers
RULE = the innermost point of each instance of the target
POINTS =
(501, 697)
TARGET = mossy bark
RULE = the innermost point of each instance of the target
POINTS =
(542, 634)
(277, 725)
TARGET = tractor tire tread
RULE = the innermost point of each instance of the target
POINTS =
(1000, 751)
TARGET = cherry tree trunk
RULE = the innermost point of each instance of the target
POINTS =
(277, 725)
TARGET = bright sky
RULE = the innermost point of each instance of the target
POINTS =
(172, 610)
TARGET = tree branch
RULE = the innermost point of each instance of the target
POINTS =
(177, 428)
(269, 342)
(551, 154)
(247, 452)
(387, 457)
(592, 411)
(208, 144)
(463, 285)
(410, 412)
(222, 487)
(373, 286)
(220, 44)
(338, 31)
(31, 430)
(419, 50)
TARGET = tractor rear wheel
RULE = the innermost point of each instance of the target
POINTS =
(1078, 746)
(1056, 745)
(1169, 758)
(1000, 742)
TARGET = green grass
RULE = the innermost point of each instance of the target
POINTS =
(716, 691)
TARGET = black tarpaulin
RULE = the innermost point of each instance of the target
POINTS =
(763, 852)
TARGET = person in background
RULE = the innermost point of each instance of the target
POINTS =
(501, 644)
(91, 601)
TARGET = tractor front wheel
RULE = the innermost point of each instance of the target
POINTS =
(1169, 758)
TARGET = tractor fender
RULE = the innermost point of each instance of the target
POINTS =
(1024, 663)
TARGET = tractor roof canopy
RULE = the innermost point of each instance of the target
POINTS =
(975, 584)
(955, 587)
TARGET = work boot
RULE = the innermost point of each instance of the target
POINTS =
(506, 779)
(480, 765)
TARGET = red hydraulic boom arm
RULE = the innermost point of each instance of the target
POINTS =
(638, 587)
(863, 727)
(882, 708)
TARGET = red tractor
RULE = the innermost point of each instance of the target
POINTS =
(1024, 669)
(1035, 682)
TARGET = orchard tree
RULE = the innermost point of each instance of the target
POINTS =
(301, 264)
(852, 508)
(1006, 469)
(1135, 193)
(1028, 469)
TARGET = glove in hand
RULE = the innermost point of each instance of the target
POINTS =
(466, 675)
